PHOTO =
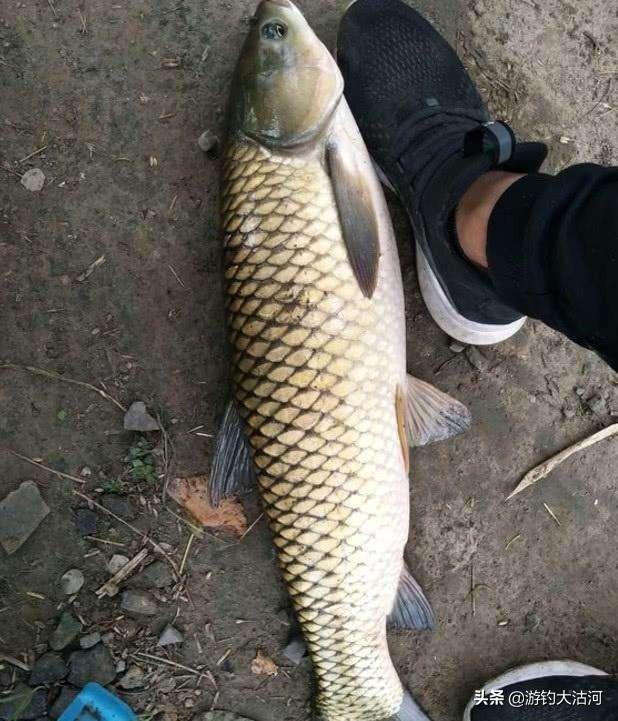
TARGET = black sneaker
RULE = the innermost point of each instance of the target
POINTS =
(547, 691)
(430, 136)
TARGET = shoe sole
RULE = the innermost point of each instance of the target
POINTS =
(532, 671)
(443, 312)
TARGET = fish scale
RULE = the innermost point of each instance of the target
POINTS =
(317, 366)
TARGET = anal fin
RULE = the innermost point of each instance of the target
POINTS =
(411, 608)
(232, 469)
(432, 415)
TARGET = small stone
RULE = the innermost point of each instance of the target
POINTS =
(95, 664)
(170, 636)
(156, 575)
(21, 512)
(49, 668)
(90, 640)
(190, 703)
(477, 359)
(121, 666)
(72, 581)
(33, 180)
(86, 521)
(85, 471)
(139, 603)
(137, 418)
(25, 704)
(296, 650)
(67, 694)
(597, 405)
(167, 685)
(116, 562)
(532, 622)
(209, 143)
(579, 391)
(65, 632)
(133, 678)
(120, 505)
(456, 347)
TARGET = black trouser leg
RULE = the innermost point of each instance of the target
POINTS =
(552, 248)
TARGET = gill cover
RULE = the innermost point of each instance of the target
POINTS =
(286, 84)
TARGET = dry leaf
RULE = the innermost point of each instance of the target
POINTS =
(262, 665)
(192, 494)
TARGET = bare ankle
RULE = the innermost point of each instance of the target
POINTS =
(474, 209)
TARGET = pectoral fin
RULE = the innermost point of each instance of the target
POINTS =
(232, 466)
(411, 608)
(432, 415)
(357, 211)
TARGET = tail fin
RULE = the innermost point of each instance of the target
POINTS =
(410, 710)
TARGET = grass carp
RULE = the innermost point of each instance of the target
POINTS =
(322, 410)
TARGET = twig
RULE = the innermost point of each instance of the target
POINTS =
(446, 362)
(544, 469)
(512, 541)
(178, 278)
(472, 597)
(104, 540)
(53, 9)
(57, 377)
(172, 206)
(168, 452)
(225, 655)
(60, 474)
(35, 152)
(149, 540)
(6, 167)
(110, 587)
(251, 527)
(186, 553)
(14, 662)
(91, 268)
(552, 514)
(167, 662)
(83, 22)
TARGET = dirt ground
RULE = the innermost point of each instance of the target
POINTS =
(108, 100)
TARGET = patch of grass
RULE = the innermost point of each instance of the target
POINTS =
(113, 486)
(141, 462)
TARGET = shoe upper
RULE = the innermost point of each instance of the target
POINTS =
(416, 107)
(392, 61)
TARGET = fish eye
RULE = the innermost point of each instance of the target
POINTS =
(274, 31)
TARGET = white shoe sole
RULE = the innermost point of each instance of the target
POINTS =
(449, 319)
(535, 670)
(444, 314)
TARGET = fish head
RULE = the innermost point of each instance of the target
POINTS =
(287, 85)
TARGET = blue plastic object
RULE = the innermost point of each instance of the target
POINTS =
(94, 703)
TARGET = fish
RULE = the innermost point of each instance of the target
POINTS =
(322, 411)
